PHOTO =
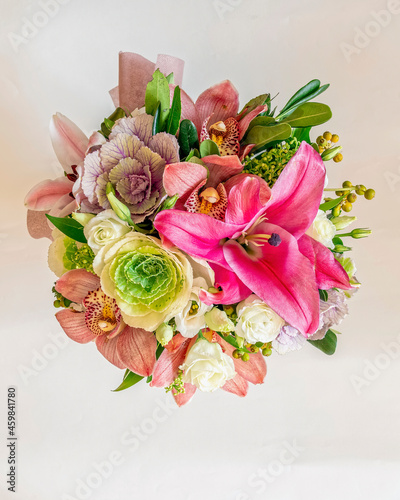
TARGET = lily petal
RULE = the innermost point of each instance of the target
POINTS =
(221, 101)
(233, 289)
(45, 194)
(108, 348)
(237, 385)
(69, 142)
(74, 325)
(281, 276)
(183, 398)
(246, 198)
(74, 285)
(136, 348)
(298, 192)
(329, 272)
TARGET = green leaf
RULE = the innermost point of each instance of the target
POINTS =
(174, 113)
(157, 121)
(130, 379)
(309, 114)
(193, 153)
(323, 295)
(159, 350)
(260, 120)
(302, 93)
(70, 227)
(108, 123)
(253, 103)
(302, 134)
(327, 345)
(328, 205)
(337, 241)
(170, 78)
(188, 138)
(157, 91)
(310, 92)
(262, 135)
(208, 147)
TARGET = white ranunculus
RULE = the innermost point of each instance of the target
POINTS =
(207, 367)
(257, 322)
(322, 229)
(105, 228)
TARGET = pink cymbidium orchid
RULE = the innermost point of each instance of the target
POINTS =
(261, 246)
(215, 115)
(99, 319)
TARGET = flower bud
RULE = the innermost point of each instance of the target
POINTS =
(328, 154)
(342, 222)
(164, 333)
(119, 208)
(218, 321)
(341, 249)
(360, 233)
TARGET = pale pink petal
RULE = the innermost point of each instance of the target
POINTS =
(237, 385)
(136, 348)
(175, 343)
(69, 142)
(135, 72)
(221, 168)
(37, 224)
(245, 121)
(74, 285)
(45, 194)
(167, 366)
(64, 206)
(108, 348)
(169, 64)
(74, 325)
(95, 140)
(297, 193)
(182, 178)
(182, 399)
(233, 289)
(221, 101)
(329, 272)
(166, 145)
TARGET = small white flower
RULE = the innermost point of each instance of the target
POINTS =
(257, 322)
(207, 367)
(105, 228)
(322, 229)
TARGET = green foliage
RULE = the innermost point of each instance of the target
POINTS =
(130, 379)
(328, 344)
(70, 227)
(188, 138)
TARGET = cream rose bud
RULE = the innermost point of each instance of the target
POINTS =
(105, 228)
(218, 321)
(257, 322)
(322, 229)
(207, 367)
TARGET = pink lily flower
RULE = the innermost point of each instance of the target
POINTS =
(215, 115)
(55, 196)
(261, 246)
(167, 367)
(100, 320)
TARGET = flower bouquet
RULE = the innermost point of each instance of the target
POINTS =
(193, 239)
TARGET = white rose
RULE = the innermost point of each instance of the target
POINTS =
(257, 322)
(207, 367)
(105, 228)
(322, 229)
(191, 319)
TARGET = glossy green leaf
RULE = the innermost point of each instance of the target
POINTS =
(68, 226)
(323, 295)
(208, 147)
(174, 115)
(130, 379)
(157, 91)
(327, 345)
(188, 138)
(302, 134)
(194, 153)
(305, 94)
(309, 114)
(260, 120)
(157, 121)
(262, 135)
(253, 103)
(328, 205)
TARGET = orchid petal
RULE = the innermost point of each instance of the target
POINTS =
(74, 325)
(37, 224)
(280, 275)
(221, 101)
(45, 194)
(108, 348)
(74, 285)
(237, 385)
(69, 142)
(136, 348)
(233, 290)
(245, 121)
(182, 178)
(298, 192)
(221, 168)
(166, 369)
(329, 272)
(183, 398)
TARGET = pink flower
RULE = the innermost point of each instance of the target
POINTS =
(100, 321)
(260, 246)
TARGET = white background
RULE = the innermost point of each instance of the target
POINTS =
(341, 414)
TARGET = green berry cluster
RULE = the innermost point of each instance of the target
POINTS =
(244, 354)
(351, 193)
(327, 141)
(78, 256)
(60, 300)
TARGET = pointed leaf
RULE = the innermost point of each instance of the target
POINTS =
(157, 91)
(129, 380)
(175, 113)
(306, 93)
(70, 227)
(328, 205)
(309, 114)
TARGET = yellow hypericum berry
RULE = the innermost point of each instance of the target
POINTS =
(369, 194)
(246, 356)
(351, 197)
(337, 210)
(335, 138)
(339, 193)
(347, 207)
(347, 184)
(338, 158)
(236, 354)
(321, 142)
(327, 136)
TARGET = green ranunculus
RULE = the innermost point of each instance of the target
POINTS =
(149, 283)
